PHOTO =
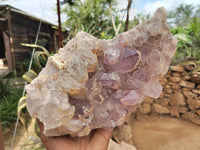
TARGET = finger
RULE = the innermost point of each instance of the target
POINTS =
(101, 138)
(106, 134)
(40, 124)
(45, 140)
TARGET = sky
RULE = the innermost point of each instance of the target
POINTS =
(44, 8)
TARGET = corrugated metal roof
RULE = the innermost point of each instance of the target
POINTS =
(13, 9)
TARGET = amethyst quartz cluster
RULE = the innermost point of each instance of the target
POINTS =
(94, 83)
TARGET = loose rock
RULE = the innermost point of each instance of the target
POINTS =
(182, 109)
(198, 86)
(177, 99)
(186, 89)
(168, 91)
(167, 95)
(172, 83)
(195, 77)
(177, 68)
(167, 86)
(193, 104)
(198, 112)
(174, 79)
(187, 84)
(191, 116)
(162, 101)
(176, 74)
(176, 87)
(160, 109)
(174, 112)
(148, 100)
(123, 133)
(145, 108)
(189, 94)
(161, 95)
(195, 91)
(163, 81)
(186, 78)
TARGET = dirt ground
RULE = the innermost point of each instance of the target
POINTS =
(149, 133)
(165, 133)
(24, 139)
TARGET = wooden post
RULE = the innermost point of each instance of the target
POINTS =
(8, 50)
(1, 138)
(11, 40)
(59, 24)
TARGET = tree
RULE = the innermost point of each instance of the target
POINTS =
(182, 15)
(91, 16)
(116, 29)
(197, 12)
(186, 22)
(138, 18)
(127, 16)
(70, 2)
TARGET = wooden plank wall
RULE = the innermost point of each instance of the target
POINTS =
(24, 30)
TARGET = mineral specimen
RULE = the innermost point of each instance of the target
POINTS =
(93, 83)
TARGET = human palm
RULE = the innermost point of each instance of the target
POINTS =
(97, 140)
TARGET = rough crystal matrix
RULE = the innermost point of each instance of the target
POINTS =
(93, 83)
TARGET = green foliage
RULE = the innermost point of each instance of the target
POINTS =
(139, 18)
(5, 88)
(8, 103)
(44, 42)
(106, 36)
(184, 37)
(186, 19)
(195, 31)
(195, 36)
(8, 111)
(91, 16)
(184, 44)
(22, 66)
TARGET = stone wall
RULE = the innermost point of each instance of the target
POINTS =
(180, 96)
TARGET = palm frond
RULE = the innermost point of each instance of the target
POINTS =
(29, 75)
(184, 37)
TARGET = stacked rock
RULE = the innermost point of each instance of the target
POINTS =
(180, 96)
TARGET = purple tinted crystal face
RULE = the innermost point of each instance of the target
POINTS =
(94, 88)
(82, 106)
(111, 80)
(111, 56)
(152, 88)
(138, 79)
(124, 63)
(129, 61)
(112, 110)
(132, 97)
(95, 83)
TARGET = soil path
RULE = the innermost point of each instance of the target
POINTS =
(24, 139)
(149, 133)
(165, 133)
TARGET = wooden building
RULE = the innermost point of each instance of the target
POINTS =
(17, 26)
